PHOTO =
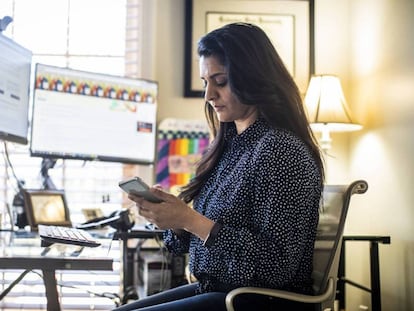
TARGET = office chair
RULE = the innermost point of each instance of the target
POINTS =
(336, 199)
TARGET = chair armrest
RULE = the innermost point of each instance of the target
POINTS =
(280, 294)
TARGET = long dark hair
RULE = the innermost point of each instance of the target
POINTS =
(257, 76)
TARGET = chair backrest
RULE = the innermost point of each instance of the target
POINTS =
(334, 208)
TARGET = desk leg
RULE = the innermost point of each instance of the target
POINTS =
(125, 266)
(375, 278)
(49, 279)
(129, 272)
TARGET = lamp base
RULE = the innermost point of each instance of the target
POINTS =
(326, 140)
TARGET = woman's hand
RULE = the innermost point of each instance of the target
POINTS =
(172, 213)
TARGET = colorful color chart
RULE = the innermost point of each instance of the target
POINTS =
(180, 145)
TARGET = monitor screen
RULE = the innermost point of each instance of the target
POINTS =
(15, 67)
(46, 207)
(91, 116)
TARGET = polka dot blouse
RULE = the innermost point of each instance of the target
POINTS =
(265, 191)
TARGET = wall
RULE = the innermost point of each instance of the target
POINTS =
(382, 49)
(369, 45)
(167, 66)
(163, 60)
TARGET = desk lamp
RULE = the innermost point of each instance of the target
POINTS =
(327, 108)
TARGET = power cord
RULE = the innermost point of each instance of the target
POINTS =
(7, 159)
(18, 199)
(13, 284)
(164, 264)
(116, 299)
(113, 296)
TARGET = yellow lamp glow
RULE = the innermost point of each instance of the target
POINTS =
(327, 108)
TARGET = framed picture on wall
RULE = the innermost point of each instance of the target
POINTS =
(288, 23)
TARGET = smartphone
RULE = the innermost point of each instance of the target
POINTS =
(137, 186)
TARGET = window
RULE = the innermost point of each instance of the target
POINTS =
(94, 35)
(87, 35)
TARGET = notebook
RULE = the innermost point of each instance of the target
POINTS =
(46, 207)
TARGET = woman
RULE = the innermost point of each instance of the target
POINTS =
(257, 188)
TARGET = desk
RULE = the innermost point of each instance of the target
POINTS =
(375, 289)
(24, 252)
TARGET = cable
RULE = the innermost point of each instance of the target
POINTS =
(110, 244)
(113, 296)
(164, 264)
(13, 284)
(7, 158)
(9, 211)
(18, 197)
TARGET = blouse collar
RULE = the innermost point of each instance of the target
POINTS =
(250, 134)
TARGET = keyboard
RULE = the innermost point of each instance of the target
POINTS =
(67, 235)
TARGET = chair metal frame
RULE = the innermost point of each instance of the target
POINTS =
(336, 200)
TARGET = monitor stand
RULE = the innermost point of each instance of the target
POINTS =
(47, 180)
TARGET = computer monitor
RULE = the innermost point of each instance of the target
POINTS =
(46, 207)
(92, 116)
(15, 67)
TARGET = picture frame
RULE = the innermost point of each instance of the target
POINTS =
(46, 207)
(288, 23)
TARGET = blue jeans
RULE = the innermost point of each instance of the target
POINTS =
(184, 298)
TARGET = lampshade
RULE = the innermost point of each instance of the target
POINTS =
(327, 108)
